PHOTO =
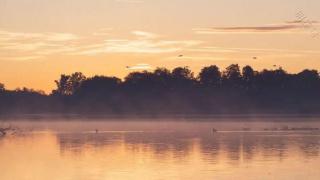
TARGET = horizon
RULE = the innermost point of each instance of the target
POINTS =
(141, 68)
(39, 40)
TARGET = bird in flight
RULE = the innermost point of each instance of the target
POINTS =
(181, 55)
(254, 57)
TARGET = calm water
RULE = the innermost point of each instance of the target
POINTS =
(163, 150)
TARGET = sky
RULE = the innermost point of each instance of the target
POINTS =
(41, 39)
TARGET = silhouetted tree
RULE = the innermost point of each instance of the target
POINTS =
(248, 73)
(273, 79)
(312, 75)
(75, 81)
(140, 81)
(26, 90)
(68, 84)
(308, 79)
(98, 85)
(232, 76)
(163, 78)
(182, 77)
(62, 86)
(248, 77)
(210, 76)
(183, 73)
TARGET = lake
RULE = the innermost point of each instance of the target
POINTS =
(160, 150)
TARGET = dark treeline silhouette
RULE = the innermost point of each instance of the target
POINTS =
(212, 91)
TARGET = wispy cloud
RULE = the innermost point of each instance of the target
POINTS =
(301, 21)
(30, 46)
(273, 50)
(21, 58)
(197, 58)
(208, 49)
(44, 44)
(141, 66)
(145, 35)
(60, 37)
(228, 54)
(287, 27)
(137, 46)
(214, 49)
(55, 37)
(142, 42)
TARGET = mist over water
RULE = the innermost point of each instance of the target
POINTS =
(164, 149)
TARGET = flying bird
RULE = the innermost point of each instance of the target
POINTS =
(254, 57)
(181, 55)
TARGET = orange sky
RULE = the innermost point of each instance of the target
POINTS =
(41, 39)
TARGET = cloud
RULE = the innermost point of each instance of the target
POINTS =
(21, 58)
(55, 37)
(142, 42)
(45, 44)
(226, 54)
(197, 58)
(207, 49)
(137, 46)
(213, 49)
(18, 46)
(22, 46)
(275, 50)
(288, 27)
(145, 35)
(140, 67)
(258, 28)
(60, 37)
(302, 21)
(9, 36)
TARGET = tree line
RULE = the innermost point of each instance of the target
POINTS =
(233, 90)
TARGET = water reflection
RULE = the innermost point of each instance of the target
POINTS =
(237, 146)
(160, 155)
